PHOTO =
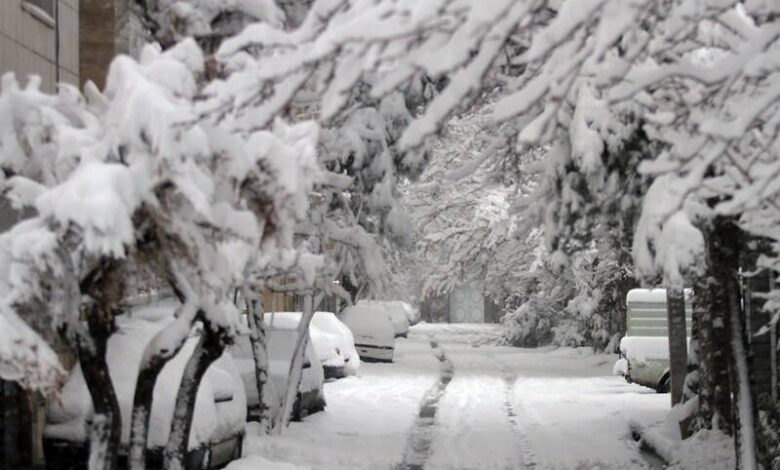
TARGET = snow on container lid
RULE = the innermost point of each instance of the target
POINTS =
(653, 295)
(646, 295)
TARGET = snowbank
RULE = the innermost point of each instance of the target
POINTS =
(710, 449)
(468, 333)
(255, 462)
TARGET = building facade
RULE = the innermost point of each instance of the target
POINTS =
(40, 37)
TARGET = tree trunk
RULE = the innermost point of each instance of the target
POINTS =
(103, 286)
(762, 350)
(265, 391)
(691, 388)
(157, 353)
(209, 348)
(678, 346)
(296, 365)
(743, 399)
(106, 430)
(723, 249)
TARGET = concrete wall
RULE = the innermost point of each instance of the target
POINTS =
(28, 44)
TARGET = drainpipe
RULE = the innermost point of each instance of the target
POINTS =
(773, 342)
(56, 43)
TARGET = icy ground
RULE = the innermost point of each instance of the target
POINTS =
(477, 406)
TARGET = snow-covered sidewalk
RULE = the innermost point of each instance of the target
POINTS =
(505, 408)
(574, 412)
(367, 420)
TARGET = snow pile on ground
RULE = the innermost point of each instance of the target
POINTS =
(367, 420)
(575, 413)
(710, 449)
(475, 334)
(255, 462)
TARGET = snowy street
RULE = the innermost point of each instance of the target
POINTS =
(504, 408)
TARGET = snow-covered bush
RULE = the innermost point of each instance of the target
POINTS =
(530, 324)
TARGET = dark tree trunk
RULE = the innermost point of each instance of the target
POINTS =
(701, 345)
(689, 424)
(744, 435)
(723, 251)
(678, 347)
(260, 355)
(691, 388)
(210, 346)
(762, 347)
(106, 430)
(144, 388)
(104, 286)
(142, 409)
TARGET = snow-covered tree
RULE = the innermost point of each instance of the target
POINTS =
(697, 73)
(180, 194)
(699, 76)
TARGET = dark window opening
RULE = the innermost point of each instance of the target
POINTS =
(45, 5)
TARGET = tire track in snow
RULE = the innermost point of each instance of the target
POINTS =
(528, 455)
(511, 410)
(419, 444)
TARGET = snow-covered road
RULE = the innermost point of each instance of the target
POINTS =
(504, 408)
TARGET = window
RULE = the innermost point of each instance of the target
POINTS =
(45, 5)
(43, 10)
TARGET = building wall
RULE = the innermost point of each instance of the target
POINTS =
(28, 41)
(37, 37)
(108, 28)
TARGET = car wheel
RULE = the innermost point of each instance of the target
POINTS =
(665, 385)
(297, 411)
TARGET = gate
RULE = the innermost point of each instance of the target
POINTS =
(467, 305)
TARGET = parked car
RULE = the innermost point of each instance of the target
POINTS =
(327, 346)
(328, 322)
(396, 312)
(412, 313)
(220, 412)
(372, 330)
(282, 333)
(644, 351)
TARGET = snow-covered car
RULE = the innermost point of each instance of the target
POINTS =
(644, 351)
(329, 323)
(282, 334)
(396, 312)
(372, 330)
(220, 410)
(326, 346)
(412, 313)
